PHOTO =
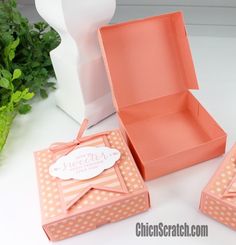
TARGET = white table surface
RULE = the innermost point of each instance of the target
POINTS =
(174, 198)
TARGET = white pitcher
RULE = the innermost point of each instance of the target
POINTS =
(83, 89)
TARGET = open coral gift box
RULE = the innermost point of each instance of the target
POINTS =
(150, 69)
(73, 202)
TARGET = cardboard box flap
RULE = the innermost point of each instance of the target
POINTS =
(147, 59)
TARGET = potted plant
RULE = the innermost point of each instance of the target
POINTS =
(25, 65)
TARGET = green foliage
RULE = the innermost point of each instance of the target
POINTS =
(25, 64)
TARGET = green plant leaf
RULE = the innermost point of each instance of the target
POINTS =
(24, 108)
(11, 55)
(15, 43)
(12, 3)
(28, 96)
(4, 83)
(6, 74)
(16, 74)
(25, 64)
(35, 64)
(16, 97)
(43, 93)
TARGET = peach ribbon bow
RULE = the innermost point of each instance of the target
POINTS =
(67, 147)
(70, 146)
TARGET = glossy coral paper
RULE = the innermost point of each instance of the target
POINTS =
(71, 207)
(218, 199)
(151, 70)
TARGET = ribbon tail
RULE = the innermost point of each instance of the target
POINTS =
(83, 127)
(76, 199)
(79, 196)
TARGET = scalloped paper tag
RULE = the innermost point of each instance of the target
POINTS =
(84, 163)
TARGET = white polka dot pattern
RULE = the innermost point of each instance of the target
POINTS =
(88, 221)
(219, 197)
(51, 204)
(218, 211)
(223, 180)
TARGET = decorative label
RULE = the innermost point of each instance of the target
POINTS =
(84, 163)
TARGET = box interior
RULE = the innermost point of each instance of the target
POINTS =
(151, 70)
(168, 125)
(147, 59)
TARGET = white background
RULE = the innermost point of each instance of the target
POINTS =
(203, 17)
(174, 198)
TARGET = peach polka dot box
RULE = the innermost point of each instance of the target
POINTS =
(218, 198)
(88, 182)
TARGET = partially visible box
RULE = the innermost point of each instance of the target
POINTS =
(115, 194)
(150, 69)
(218, 199)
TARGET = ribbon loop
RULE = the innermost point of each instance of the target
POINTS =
(64, 148)
(70, 146)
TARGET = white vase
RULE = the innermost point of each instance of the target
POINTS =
(83, 88)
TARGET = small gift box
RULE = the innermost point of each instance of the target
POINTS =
(150, 68)
(218, 199)
(88, 182)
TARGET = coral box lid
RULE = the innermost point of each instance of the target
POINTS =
(147, 59)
